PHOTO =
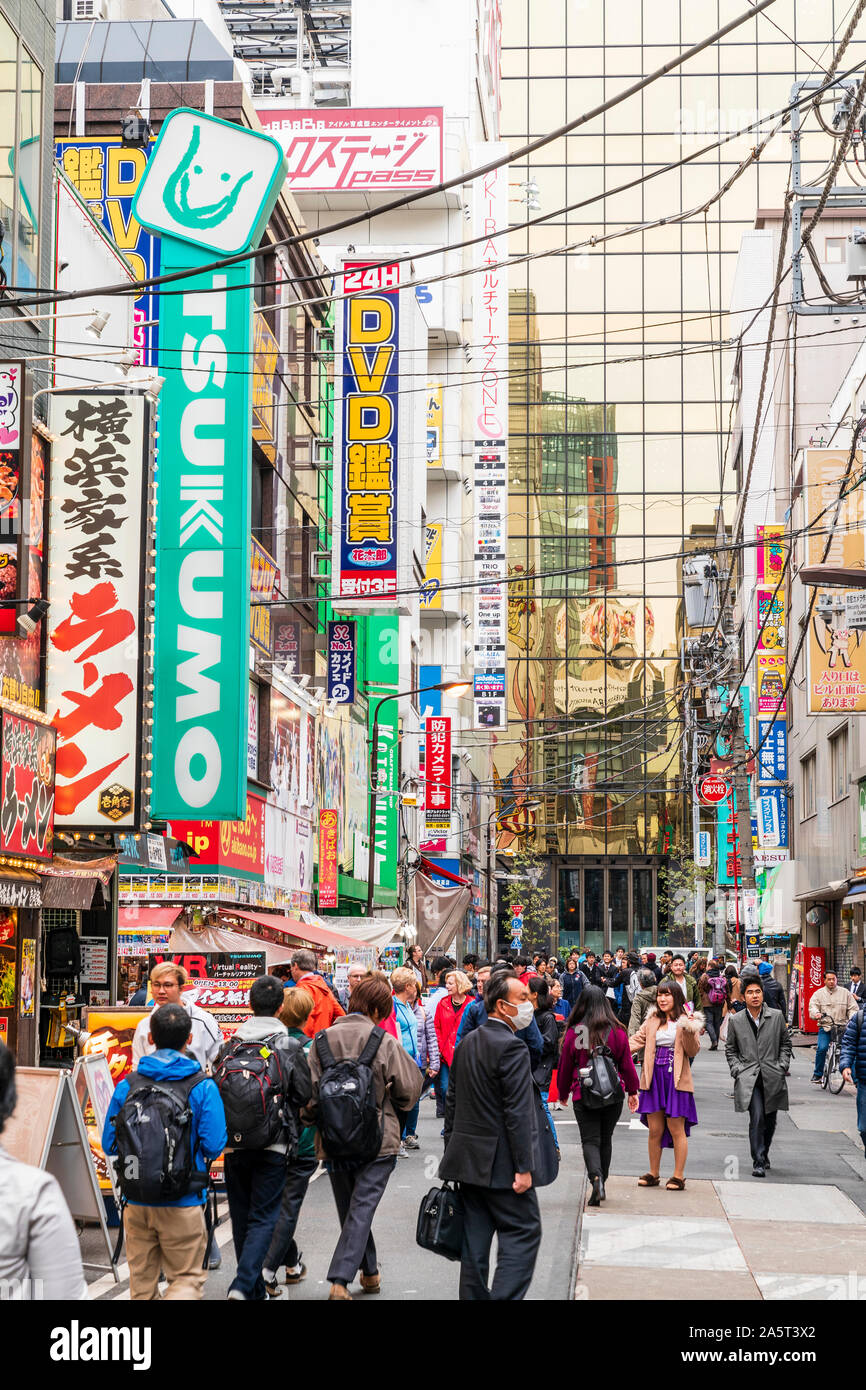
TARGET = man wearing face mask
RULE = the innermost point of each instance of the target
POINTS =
(498, 1146)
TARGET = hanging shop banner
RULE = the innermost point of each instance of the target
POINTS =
(434, 425)
(837, 657)
(770, 553)
(264, 581)
(328, 873)
(253, 732)
(842, 523)
(771, 684)
(771, 620)
(342, 655)
(27, 791)
(291, 752)
(490, 421)
(431, 589)
(97, 592)
(437, 770)
(383, 150)
(12, 466)
(773, 757)
(106, 174)
(773, 818)
(189, 197)
(366, 435)
(287, 648)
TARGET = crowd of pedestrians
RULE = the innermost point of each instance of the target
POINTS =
(317, 1075)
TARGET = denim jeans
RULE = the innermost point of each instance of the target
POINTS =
(544, 1096)
(410, 1124)
(255, 1179)
(821, 1052)
(441, 1089)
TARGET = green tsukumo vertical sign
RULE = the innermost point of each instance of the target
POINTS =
(208, 191)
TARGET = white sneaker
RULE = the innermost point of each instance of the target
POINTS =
(402, 1152)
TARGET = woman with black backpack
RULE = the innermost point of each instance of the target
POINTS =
(596, 1069)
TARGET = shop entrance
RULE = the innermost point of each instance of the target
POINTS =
(604, 904)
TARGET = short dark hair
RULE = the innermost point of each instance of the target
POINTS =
(678, 957)
(7, 1084)
(751, 981)
(855, 970)
(522, 962)
(830, 971)
(266, 996)
(498, 987)
(607, 952)
(440, 963)
(171, 1025)
(590, 953)
(471, 959)
(372, 995)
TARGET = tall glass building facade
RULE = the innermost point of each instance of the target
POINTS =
(620, 397)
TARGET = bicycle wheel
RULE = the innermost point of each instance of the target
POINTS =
(836, 1079)
(829, 1059)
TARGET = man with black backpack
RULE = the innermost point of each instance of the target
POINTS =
(263, 1079)
(165, 1124)
(364, 1082)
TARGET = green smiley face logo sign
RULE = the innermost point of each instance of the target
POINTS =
(179, 186)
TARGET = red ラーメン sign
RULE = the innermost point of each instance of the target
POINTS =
(328, 883)
(27, 793)
(95, 584)
(437, 763)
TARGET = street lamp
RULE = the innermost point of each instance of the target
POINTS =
(447, 687)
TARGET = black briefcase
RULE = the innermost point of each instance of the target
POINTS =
(440, 1222)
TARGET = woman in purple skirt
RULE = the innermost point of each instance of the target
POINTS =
(669, 1037)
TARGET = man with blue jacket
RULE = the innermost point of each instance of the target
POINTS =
(171, 1236)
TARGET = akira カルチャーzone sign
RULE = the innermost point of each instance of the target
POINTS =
(366, 435)
(93, 680)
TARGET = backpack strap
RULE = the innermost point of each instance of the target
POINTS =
(323, 1049)
(371, 1046)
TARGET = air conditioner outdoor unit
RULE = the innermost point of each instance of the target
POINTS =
(90, 9)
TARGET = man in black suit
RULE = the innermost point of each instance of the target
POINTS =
(857, 987)
(496, 1147)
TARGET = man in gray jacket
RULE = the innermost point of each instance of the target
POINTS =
(758, 1053)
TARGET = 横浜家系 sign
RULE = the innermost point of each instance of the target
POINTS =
(208, 191)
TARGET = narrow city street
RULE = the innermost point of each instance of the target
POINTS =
(729, 1236)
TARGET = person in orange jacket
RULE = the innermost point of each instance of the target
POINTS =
(325, 1007)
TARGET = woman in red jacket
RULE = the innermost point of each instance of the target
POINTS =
(446, 1021)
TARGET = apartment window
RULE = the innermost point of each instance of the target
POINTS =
(839, 765)
(807, 767)
(20, 160)
(834, 250)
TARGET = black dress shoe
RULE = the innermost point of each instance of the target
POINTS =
(767, 1163)
(597, 1193)
(601, 1192)
(758, 1171)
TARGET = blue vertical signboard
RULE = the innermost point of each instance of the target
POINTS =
(208, 191)
(342, 648)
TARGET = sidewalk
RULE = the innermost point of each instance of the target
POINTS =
(799, 1233)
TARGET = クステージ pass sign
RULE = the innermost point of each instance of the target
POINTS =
(27, 792)
(344, 149)
(366, 435)
(95, 587)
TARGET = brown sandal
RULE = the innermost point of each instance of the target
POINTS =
(675, 1184)
(648, 1180)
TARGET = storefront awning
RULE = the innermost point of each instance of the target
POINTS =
(290, 926)
(184, 940)
(856, 893)
(144, 919)
(75, 893)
